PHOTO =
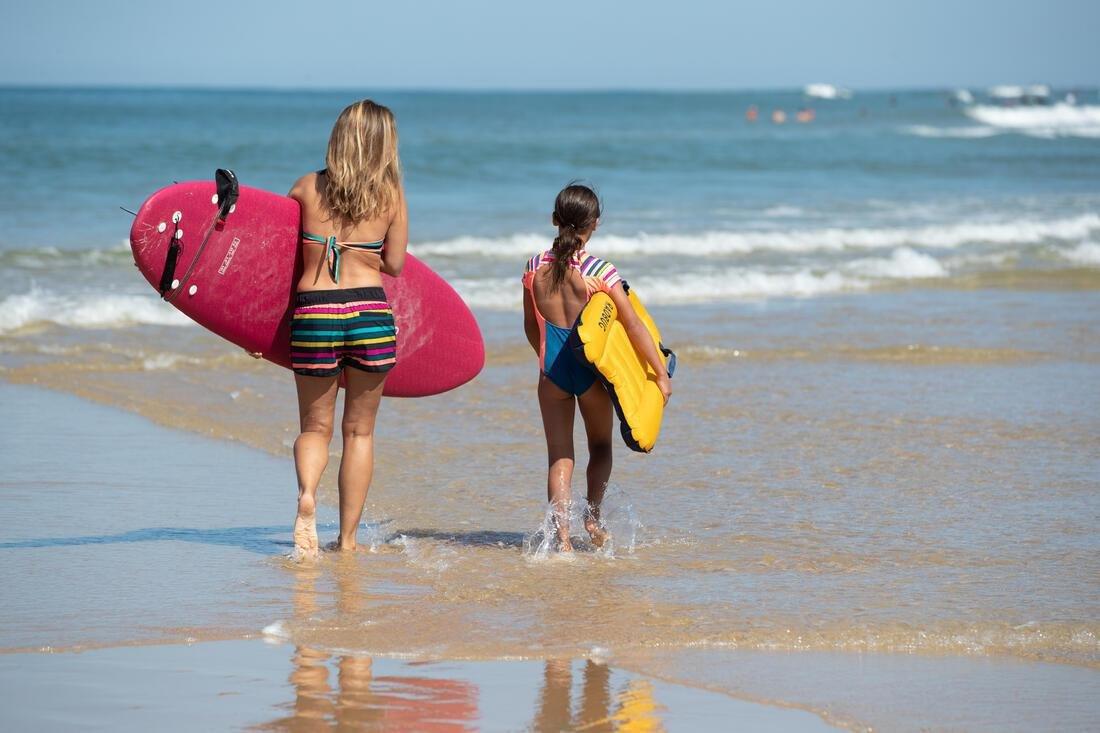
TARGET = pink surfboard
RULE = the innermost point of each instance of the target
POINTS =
(236, 266)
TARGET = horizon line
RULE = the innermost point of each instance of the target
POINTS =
(82, 86)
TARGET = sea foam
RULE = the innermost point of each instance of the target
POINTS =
(967, 132)
(1056, 120)
(85, 310)
(736, 283)
(720, 243)
(1086, 253)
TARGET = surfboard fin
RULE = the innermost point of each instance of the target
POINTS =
(228, 191)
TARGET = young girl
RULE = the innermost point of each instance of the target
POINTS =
(557, 285)
(354, 228)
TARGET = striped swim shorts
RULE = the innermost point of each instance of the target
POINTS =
(332, 329)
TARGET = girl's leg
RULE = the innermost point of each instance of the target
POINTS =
(557, 408)
(316, 404)
(363, 395)
(596, 411)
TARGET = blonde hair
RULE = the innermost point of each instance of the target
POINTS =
(363, 170)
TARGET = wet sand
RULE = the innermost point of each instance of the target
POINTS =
(256, 686)
(141, 537)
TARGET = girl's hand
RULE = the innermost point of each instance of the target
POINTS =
(254, 354)
(665, 385)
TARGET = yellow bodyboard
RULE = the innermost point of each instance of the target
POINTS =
(601, 341)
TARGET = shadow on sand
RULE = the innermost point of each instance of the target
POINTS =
(479, 538)
(252, 539)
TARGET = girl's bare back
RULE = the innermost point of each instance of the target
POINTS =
(564, 306)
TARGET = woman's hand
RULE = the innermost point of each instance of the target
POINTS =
(665, 385)
(254, 354)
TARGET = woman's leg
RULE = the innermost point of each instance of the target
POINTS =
(316, 404)
(596, 411)
(363, 395)
(558, 407)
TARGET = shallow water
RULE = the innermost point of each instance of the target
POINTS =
(255, 686)
(930, 497)
(191, 538)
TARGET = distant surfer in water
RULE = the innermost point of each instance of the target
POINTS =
(354, 228)
(557, 285)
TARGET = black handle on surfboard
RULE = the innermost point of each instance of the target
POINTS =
(670, 359)
(228, 191)
(169, 272)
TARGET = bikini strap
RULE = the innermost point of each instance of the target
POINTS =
(332, 253)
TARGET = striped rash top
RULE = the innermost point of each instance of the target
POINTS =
(599, 275)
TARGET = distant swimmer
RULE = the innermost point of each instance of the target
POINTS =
(779, 116)
(752, 113)
(805, 115)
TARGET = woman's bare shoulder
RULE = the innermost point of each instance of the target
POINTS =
(307, 188)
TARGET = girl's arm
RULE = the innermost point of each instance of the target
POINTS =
(397, 238)
(530, 323)
(640, 337)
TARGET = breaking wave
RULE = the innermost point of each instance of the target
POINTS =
(1056, 120)
(737, 283)
(719, 243)
(40, 307)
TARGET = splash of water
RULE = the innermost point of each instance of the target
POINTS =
(617, 520)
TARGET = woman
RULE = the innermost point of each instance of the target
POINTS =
(354, 228)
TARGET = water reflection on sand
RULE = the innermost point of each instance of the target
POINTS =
(341, 688)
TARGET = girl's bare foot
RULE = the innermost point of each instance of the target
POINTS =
(598, 534)
(561, 525)
(305, 526)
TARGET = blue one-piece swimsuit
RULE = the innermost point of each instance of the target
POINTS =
(561, 366)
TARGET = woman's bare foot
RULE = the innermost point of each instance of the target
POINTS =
(342, 545)
(596, 531)
(305, 525)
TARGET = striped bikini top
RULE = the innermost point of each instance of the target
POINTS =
(599, 275)
(332, 250)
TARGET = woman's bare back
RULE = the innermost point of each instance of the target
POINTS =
(358, 268)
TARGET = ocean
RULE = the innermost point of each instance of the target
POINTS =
(884, 435)
(887, 190)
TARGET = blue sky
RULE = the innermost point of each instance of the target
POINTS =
(555, 44)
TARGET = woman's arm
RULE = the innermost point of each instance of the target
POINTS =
(640, 337)
(397, 238)
(530, 323)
